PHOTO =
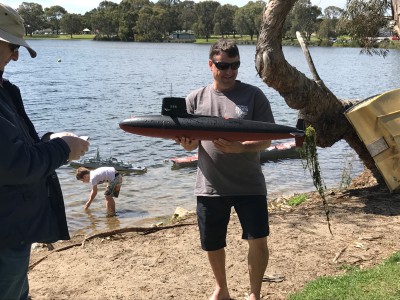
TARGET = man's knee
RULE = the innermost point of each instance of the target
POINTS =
(259, 244)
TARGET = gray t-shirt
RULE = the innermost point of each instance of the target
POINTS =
(229, 174)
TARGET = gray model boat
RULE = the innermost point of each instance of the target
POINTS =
(97, 162)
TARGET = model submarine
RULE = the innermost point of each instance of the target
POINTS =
(174, 121)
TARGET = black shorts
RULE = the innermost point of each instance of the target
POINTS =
(213, 214)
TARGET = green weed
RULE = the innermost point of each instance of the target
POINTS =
(297, 199)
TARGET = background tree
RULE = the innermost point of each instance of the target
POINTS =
(105, 20)
(143, 25)
(54, 15)
(223, 20)
(136, 4)
(118, 21)
(354, 18)
(171, 9)
(127, 23)
(287, 27)
(86, 20)
(187, 16)
(304, 18)
(205, 11)
(327, 27)
(333, 12)
(241, 22)
(151, 23)
(256, 10)
(71, 24)
(129, 15)
(248, 18)
(33, 15)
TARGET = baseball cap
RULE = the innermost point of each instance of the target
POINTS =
(12, 28)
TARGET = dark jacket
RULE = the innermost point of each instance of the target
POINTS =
(31, 201)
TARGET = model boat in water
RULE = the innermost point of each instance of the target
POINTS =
(97, 162)
(275, 152)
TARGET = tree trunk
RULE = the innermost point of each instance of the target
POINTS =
(317, 105)
(396, 15)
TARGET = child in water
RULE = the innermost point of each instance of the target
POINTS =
(98, 176)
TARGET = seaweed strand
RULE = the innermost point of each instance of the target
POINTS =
(309, 156)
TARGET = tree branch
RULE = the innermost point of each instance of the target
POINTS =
(310, 62)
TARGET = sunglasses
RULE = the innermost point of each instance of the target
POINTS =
(225, 66)
(13, 47)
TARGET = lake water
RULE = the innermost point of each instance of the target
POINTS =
(88, 87)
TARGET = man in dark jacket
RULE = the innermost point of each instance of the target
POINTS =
(31, 201)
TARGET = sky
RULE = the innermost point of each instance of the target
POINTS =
(83, 6)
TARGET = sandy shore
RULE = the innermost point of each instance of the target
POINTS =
(169, 263)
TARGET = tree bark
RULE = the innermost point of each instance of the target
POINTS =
(396, 15)
(317, 105)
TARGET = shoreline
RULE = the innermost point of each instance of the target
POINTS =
(168, 261)
(179, 213)
(392, 44)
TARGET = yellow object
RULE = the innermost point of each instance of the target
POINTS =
(377, 123)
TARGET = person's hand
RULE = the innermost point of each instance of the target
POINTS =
(77, 146)
(229, 146)
(187, 143)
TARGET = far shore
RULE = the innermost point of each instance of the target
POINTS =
(391, 44)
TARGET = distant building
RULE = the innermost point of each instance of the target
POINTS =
(45, 31)
(182, 35)
(86, 31)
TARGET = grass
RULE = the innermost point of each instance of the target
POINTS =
(244, 39)
(60, 37)
(212, 39)
(297, 199)
(380, 282)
